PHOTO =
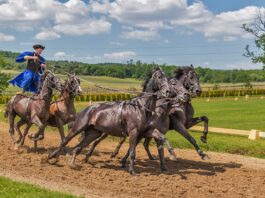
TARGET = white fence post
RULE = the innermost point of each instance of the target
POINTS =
(254, 134)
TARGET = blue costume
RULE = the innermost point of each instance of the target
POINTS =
(29, 79)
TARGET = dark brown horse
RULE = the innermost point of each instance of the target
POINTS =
(62, 111)
(32, 110)
(180, 95)
(181, 118)
(120, 118)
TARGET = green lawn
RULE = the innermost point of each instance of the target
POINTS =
(228, 113)
(12, 189)
(233, 144)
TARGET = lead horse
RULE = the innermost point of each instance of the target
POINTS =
(179, 95)
(120, 118)
(32, 110)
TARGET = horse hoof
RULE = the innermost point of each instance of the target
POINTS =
(16, 147)
(152, 158)
(33, 138)
(133, 173)
(173, 158)
(75, 167)
(52, 161)
(164, 168)
(123, 165)
(205, 157)
(113, 155)
(85, 160)
(203, 139)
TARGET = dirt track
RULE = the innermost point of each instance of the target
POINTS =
(223, 175)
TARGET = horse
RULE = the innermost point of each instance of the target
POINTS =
(119, 118)
(180, 95)
(32, 110)
(62, 111)
(181, 117)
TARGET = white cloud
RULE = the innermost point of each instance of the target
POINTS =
(177, 14)
(59, 54)
(120, 55)
(47, 35)
(73, 17)
(5, 37)
(143, 17)
(144, 35)
(94, 26)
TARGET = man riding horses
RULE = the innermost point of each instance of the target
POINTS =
(29, 79)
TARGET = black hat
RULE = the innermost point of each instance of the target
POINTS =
(37, 46)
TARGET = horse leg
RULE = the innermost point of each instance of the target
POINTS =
(116, 151)
(146, 147)
(183, 131)
(40, 134)
(95, 143)
(20, 123)
(90, 135)
(160, 140)
(160, 149)
(195, 121)
(74, 131)
(12, 116)
(172, 155)
(59, 123)
(124, 159)
(26, 130)
(133, 142)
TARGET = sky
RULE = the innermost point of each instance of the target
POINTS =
(204, 33)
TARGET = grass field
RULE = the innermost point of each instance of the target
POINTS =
(226, 112)
(9, 188)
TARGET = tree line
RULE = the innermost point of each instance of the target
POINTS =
(138, 70)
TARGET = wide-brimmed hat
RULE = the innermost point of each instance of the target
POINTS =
(37, 46)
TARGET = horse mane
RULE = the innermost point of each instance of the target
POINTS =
(148, 77)
(182, 70)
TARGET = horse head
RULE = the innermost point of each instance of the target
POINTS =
(51, 81)
(188, 76)
(73, 85)
(178, 91)
(157, 81)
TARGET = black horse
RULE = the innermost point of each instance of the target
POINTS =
(121, 118)
(181, 117)
(179, 95)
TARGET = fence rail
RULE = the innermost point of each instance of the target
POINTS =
(252, 134)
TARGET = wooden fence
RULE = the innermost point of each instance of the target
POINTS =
(252, 134)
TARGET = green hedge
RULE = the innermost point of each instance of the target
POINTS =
(122, 96)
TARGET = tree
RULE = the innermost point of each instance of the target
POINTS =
(257, 29)
(2, 62)
(3, 77)
(3, 82)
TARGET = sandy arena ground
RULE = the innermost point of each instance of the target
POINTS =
(223, 175)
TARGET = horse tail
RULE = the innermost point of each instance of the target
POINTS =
(9, 106)
(6, 113)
